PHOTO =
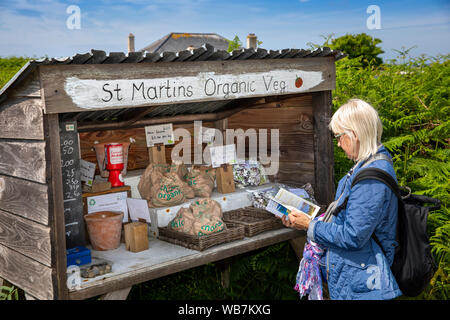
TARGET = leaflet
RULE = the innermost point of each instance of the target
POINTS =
(284, 202)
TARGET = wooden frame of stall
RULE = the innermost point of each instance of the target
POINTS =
(32, 226)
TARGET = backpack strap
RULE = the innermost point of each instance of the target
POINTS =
(380, 175)
(383, 176)
(375, 157)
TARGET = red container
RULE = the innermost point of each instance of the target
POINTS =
(114, 163)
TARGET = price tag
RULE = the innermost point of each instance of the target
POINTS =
(223, 154)
(206, 135)
(87, 170)
(159, 134)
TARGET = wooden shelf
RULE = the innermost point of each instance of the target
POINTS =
(163, 258)
(112, 190)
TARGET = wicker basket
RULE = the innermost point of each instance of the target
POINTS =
(233, 232)
(253, 219)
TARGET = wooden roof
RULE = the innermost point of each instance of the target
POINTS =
(206, 52)
(126, 117)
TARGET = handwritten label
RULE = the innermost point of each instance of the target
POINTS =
(223, 154)
(206, 135)
(90, 93)
(87, 171)
(159, 134)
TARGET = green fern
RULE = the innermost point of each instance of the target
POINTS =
(9, 293)
(412, 100)
(440, 243)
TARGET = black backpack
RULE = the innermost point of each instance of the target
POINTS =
(413, 265)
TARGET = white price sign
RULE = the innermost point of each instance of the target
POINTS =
(223, 154)
(159, 134)
(206, 135)
(87, 170)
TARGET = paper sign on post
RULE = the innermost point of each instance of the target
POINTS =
(87, 170)
(206, 135)
(159, 134)
(223, 154)
(109, 202)
(138, 209)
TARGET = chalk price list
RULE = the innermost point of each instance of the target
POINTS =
(71, 183)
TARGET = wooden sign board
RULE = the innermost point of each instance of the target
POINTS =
(75, 88)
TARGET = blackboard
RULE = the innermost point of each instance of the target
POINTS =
(73, 203)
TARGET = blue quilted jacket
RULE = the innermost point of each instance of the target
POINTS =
(355, 266)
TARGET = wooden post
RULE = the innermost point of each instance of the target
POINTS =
(298, 245)
(224, 174)
(224, 178)
(224, 267)
(56, 208)
(116, 295)
(157, 154)
(323, 148)
(222, 125)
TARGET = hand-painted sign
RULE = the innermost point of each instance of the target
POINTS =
(94, 94)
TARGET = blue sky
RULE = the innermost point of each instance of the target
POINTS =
(38, 28)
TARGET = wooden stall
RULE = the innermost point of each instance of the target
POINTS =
(51, 105)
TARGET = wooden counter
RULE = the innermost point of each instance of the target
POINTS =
(163, 258)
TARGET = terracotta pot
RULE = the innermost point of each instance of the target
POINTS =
(100, 153)
(104, 229)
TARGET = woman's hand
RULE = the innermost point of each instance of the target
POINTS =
(296, 220)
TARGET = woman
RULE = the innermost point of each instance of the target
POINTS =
(352, 263)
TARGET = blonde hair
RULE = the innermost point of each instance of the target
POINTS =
(361, 118)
